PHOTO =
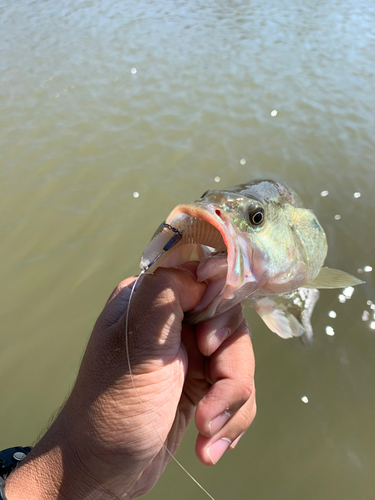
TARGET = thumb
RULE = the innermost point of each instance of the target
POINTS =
(153, 329)
(118, 301)
(177, 288)
(154, 321)
(165, 285)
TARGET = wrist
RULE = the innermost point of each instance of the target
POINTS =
(35, 479)
(67, 465)
(53, 471)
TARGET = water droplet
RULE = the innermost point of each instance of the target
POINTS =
(359, 271)
(305, 399)
(324, 193)
(217, 179)
(136, 194)
(357, 195)
(367, 269)
(369, 302)
(330, 331)
(342, 298)
(337, 217)
(332, 314)
(365, 316)
(66, 89)
(133, 71)
(243, 161)
(115, 80)
(372, 325)
(72, 86)
(348, 292)
(373, 307)
(274, 112)
(50, 77)
(57, 96)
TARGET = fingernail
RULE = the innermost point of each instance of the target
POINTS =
(216, 339)
(235, 442)
(217, 423)
(216, 450)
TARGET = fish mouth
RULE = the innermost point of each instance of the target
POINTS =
(206, 230)
(204, 225)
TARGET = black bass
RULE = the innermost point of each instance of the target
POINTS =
(255, 244)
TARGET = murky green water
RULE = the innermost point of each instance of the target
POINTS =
(103, 99)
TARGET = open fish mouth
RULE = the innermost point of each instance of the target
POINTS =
(207, 236)
(202, 228)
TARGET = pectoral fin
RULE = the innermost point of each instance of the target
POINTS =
(274, 317)
(333, 278)
(289, 314)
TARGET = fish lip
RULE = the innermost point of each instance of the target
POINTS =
(221, 221)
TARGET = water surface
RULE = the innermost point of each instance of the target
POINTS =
(103, 99)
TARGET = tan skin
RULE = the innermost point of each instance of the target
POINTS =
(107, 440)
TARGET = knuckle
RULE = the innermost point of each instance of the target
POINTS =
(247, 389)
(250, 415)
(118, 289)
(244, 421)
(247, 415)
(114, 293)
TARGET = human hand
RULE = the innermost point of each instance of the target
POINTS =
(108, 439)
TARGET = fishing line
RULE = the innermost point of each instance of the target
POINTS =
(136, 390)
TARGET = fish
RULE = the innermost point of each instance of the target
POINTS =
(256, 244)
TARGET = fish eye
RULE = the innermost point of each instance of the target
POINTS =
(256, 215)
